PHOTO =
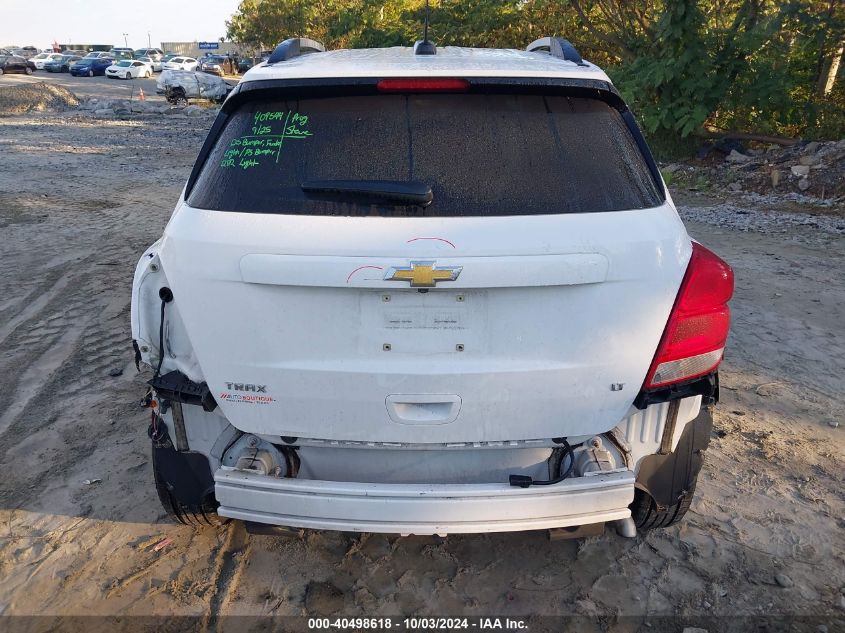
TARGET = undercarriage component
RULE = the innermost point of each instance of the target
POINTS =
(253, 455)
(263, 529)
(626, 528)
(178, 387)
(256, 461)
(576, 531)
(179, 426)
(594, 457)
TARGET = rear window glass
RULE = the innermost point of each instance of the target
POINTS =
(481, 154)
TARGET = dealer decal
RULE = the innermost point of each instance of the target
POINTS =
(250, 393)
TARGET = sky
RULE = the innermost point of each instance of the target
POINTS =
(38, 23)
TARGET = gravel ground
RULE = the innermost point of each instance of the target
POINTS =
(82, 196)
(795, 218)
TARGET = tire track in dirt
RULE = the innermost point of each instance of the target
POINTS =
(55, 278)
(30, 383)
(229, 563)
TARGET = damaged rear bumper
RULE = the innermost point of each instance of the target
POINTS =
(422, 508)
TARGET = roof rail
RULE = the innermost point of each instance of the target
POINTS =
(295, 47)
(556, 47)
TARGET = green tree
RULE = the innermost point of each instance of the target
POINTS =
(687, 67)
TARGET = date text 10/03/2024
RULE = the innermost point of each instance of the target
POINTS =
(418, 624)
(266, 139)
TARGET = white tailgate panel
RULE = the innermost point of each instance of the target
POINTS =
(547, 313)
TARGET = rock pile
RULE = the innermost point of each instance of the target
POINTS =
(37, 97)
(122, 107)
(815, 169)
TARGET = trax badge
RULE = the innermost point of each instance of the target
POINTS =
(423, 274)
(239, 386)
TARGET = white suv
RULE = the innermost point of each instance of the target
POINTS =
(420, 290)
(180, 63)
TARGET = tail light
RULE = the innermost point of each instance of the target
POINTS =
(694, 339)
(423, 85)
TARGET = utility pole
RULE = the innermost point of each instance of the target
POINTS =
(125, 35)
(149, 41)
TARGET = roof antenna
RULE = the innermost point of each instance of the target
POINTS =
(424, 46)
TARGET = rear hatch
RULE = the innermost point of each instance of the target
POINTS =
(323, 300)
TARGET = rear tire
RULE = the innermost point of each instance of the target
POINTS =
(202, 513)
(666, 482)
(201, 508)
(647, 514)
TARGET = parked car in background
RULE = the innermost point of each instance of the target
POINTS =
(153, 53)
(15, 64)
(90, 66)
(153, 63)
(23, 51)
(129, 69)
(42, 58)
(248, 62)
(178, 86)
(61, 65)
(121, 53)
(214, 64)
(180, 63)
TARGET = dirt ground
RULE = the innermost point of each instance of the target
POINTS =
(82, 532)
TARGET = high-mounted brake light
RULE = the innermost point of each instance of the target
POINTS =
(423, 85)
(694, 339)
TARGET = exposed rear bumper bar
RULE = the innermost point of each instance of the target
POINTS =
(419, 508)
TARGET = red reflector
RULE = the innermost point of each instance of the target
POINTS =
(423, 85)
(698, 325)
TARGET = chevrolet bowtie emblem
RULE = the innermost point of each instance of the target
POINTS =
(423, 274)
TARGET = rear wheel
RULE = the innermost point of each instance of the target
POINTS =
(648, 514)
(1, 71)
(666, 482)
(184, 484)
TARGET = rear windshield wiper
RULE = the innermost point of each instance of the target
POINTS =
(373, 191)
